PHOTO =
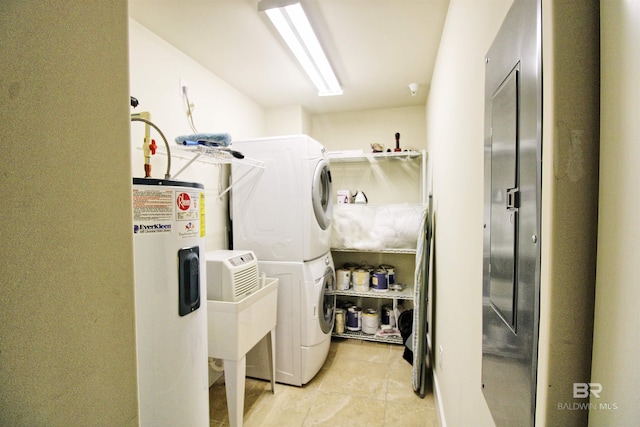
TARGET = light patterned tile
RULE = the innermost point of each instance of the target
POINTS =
(333, 348)
(316, 382)
(289, 406)
(400, 388)
(218, 414)
(337, 409)
(377, 352)
(397, 352)
(361, 384)
(401, 414)
(255, 391)
(356, 378)
(364, 351)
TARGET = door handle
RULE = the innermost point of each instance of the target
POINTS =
(513, 198)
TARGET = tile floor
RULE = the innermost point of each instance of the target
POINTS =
(361, 384)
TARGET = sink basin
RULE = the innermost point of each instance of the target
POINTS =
(235, 327)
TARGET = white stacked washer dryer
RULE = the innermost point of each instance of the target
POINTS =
(282, 212)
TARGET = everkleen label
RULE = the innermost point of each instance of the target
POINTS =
(151, 228)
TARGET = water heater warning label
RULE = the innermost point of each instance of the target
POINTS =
(188, 206)
(188, 213)
(152, 205)
(152, 211)
(166, 211)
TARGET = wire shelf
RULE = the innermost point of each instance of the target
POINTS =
(389, 339)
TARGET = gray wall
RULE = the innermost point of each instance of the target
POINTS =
(570, 127)
(67, 339)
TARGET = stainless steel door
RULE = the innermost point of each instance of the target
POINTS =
(512, 217)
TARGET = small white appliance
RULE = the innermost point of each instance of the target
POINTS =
(171, 311)
(282, 212)
(231, 275)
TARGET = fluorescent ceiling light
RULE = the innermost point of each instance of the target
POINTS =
(294, 27)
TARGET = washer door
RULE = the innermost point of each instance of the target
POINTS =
(321, 194)
(327, 302)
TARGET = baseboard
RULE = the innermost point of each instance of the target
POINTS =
(440, 417)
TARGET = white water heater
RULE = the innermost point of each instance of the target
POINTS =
(171, 309)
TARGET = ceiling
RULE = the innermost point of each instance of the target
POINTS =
(376, 47)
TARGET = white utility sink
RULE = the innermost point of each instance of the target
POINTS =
(234, 328)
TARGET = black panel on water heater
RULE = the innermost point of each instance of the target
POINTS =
(188, 280)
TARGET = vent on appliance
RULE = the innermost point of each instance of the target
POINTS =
(231, 275)
(245, 281)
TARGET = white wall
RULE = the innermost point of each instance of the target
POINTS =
(292, 120)
(67, 346)
(617, 315)
(357, 130)
(454, 119)
(156, 70)
(455, 127)
(381, 181)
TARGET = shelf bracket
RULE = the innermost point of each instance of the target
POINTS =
(244, 175)
(219, 157)
(189, 163)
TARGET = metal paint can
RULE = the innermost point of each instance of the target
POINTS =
(387, 317)
(343, 279)
(370, 321)
(379, 280)
(354, 319)
(340, 319)
(370, 269)
(361, 279)
(391, 273)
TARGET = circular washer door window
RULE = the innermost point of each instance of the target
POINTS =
(327, 302)
(322, 190)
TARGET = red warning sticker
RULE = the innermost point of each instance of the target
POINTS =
(183, 201)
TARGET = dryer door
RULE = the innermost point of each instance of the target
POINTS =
(321, 194)
(327, 302)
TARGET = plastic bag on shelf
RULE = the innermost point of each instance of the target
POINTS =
(376, 227)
